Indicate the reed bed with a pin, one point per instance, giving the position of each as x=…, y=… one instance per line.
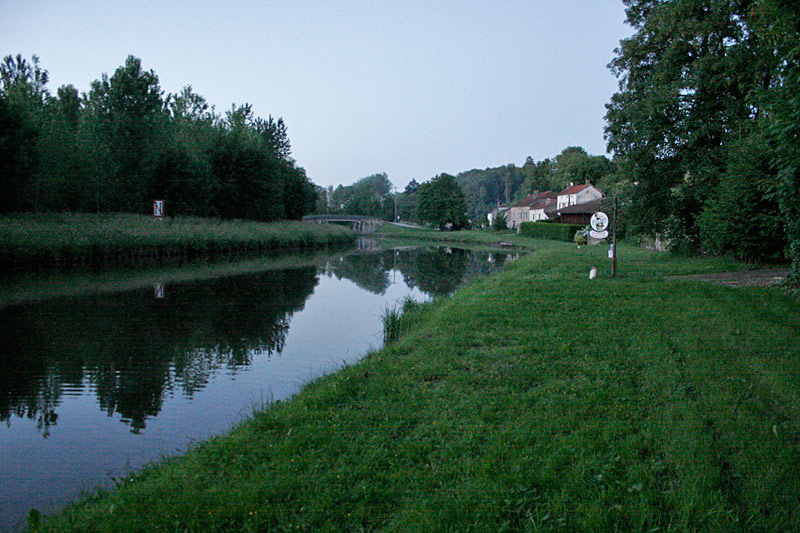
x=69, y=238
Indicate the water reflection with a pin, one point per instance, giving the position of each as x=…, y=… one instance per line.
x=133, y=350
x=436, y=271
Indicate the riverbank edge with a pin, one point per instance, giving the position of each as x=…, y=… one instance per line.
x=470, y=419
x=76, y=282
x=78, y=239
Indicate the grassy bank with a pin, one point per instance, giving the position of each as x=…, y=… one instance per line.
x=535, y=399
x=80, y=238
x=389, y=232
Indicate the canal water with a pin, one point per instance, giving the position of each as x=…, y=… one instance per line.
x=145, y=365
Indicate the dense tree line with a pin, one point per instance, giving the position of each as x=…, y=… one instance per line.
x=485, y=189
x=439, y=202
x=124, y=143
x=706, y=121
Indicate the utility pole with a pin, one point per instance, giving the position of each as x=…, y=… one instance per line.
x=395, y=204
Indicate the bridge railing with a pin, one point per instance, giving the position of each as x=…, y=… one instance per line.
x=361, y=224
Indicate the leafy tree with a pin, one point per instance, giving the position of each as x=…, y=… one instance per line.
x=323, y=201
x=441, y=202
x=128, y=109
x=299, y=193
x=780, y=23
x=569, y=166
x=22, y=98
x=706, y=122
x=539, y=176
x=273, y=132
x=485, y=189
x=741, y=218
x=407, y=202
x=16, y=159
x=685, y=77
x=184, y=176
x=369, y=196
x=249, y=187
x=60, y=158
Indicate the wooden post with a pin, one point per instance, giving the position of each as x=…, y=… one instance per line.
x=614, y=243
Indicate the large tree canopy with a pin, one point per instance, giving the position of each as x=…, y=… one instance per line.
x=702, y=83
x=441, y=202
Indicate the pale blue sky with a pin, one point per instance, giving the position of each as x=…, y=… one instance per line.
x=409, y=88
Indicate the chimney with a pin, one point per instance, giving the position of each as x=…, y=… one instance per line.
x=587, y=182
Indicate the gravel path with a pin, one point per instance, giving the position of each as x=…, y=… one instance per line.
x=745, y=278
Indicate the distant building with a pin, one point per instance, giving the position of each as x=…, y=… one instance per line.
x=529, y=208
x=543, y=209
x=579, y=213
x=578, y=194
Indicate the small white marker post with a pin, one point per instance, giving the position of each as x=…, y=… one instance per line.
x=158, y=209
x=158, y=289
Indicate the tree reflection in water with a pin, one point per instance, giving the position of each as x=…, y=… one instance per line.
x=436, y=271
x=133, y=350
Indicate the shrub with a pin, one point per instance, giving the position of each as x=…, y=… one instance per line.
x=499, y=223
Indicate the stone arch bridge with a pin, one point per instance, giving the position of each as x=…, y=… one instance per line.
x=361, y=224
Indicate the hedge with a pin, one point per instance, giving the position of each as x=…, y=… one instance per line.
x=543, y=230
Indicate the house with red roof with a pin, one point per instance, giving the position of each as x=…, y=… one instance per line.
x=577, y=194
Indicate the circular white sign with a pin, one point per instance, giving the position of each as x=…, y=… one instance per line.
x=599, y=221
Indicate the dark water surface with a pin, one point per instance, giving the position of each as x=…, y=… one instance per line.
x=93, y=386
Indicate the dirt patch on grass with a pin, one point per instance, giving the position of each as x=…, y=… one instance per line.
x=745, y=278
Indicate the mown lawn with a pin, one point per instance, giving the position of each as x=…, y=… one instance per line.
x=535, y=399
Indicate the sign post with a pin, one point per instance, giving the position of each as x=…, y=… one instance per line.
x=158, y=208
x=614, y=243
